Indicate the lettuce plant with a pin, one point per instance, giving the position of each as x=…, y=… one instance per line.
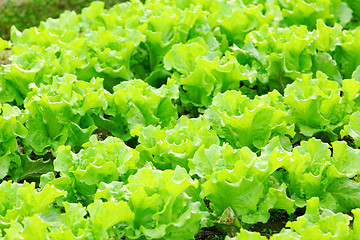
x=168, y=148
x=241, y=121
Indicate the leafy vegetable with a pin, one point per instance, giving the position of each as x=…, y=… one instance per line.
x=128, y=106
x=315, y=105
x=244, y=122
x=248, y=189
x=167, y=148
x=170, y=119
x=81, y=173
x=10, y=128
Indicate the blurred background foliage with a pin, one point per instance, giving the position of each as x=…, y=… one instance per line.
x=29, y=13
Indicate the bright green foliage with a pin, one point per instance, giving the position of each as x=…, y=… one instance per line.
x=210, y=114
x=165, y=204
x=306, y=169
x=216, y=158
x=168, y=26
x=65, y=50
x=72, y=224
x=345, y=55
x=244, y=122
x=246, y=235
x=345, y=160
x=315, y=224
x=4, y=44
x=121, y=42
x=81, y=173
x=70, y=111
x=167, y=148
x=353, y=128
x=248, y=188
x=280, y=55
x=204, y=73
x=10, y=128
x=307, y=12
x=237, y=20
x=285, y=234
x=60, y=113
x=23, y=200
x=328, y=38
x=286, y=54
x=350, y=89
x=129, y=106
x=26, y=14
x=315, y=105
x=103, y=216
x=311, y=171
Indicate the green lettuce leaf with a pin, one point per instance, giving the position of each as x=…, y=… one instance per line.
x=346, y=193
x=238, y=20
x=11, y=127
x=356, y=223
x=59, y=114
x=204, y=73
x=345, y=160
x=102, y=222
x=248, y=189
x=32, y=229
x=353, y=128
x=98, y=161
x=168, y=148
x=244, y=122
x=279, y=62
x=23, y=200
x=129, y=106
x=350, y=89
x=216, y=158
x=345, y=55
x=306, y=170
x=302, y=12
x=316, y=106
x=4, y=44
x=321, y=224
x=165, y=203
x=244, y=234
x=105, y=215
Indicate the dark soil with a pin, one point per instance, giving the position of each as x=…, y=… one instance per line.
x=207, y=204
x=102, y=134
x=277, y=222
x=210, y=233
x=269, y=228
